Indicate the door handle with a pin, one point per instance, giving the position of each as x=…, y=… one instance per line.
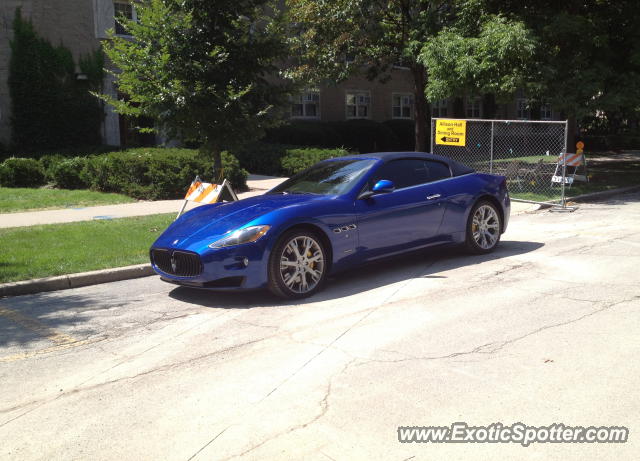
x=432, y=197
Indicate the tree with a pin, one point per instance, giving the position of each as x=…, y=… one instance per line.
x=588, y=60
x=204, y=71
x=379, y=34
x=490, y=55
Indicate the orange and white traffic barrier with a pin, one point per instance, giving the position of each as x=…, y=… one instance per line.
x=571, y=159
x=204, y=192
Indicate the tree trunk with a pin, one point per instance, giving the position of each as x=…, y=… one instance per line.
x=212, y=151
x=421, y=107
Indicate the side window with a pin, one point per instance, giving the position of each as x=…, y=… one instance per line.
x=403, y=173
x=438, y=170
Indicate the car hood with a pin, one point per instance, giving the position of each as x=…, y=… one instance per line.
x=212, y=221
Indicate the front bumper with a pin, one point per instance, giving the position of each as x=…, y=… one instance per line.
x=220, y=268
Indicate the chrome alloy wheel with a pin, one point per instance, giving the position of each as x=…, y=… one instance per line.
x=486, y=227
x=302, y=264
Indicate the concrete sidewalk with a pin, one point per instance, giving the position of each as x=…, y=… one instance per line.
x=257, y=185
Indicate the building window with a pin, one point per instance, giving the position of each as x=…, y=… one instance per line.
x=402, y=105
x=522, y=109
x=306, y=105
x=439, y=108
x=126, y=10
x=358, y=104
x=474, y=107
x=545, y=111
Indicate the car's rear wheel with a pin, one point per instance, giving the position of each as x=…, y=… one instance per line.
x=298, y=265
x=483, y=228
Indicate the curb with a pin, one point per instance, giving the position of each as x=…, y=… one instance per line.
x=602, y=194
x=63, y=282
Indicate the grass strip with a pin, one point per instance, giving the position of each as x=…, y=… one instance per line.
x=23, y=199
x=57, y=249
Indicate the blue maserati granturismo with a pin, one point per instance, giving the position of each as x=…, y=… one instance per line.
x=338, y=214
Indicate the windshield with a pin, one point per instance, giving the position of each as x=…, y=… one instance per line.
x=326, y=178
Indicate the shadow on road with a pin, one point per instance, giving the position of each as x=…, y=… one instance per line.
x=420, y=264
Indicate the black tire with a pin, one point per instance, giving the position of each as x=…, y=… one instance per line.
x=285, y=287
x=484, y=227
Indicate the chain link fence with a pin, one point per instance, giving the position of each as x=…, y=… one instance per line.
x=527, y=153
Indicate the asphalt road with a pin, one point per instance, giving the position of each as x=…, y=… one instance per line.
x=546, y=329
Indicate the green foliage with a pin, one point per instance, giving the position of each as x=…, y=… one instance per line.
x=155, y=173
x=49, y=163
x=588, y=60
x=281, y=159
x=365, y=135
x=297, y=160
x=50, y=108
x=200, y=69
x=492, y=57
x=305, y=133
x=404, y=131
x=357, y=135
x=21, y=172
x=68, y=173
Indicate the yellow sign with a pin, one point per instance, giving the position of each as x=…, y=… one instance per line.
x=580, y=145
x=451, y=132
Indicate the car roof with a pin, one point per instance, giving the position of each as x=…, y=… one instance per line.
x=456, y=168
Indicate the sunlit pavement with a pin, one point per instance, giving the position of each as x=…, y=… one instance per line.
x=546, y=329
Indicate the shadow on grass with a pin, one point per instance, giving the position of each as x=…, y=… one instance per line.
x=420, y=264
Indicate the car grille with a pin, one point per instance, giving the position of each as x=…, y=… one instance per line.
x=184, y=264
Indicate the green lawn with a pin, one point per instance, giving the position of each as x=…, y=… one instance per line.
x=604, y=175
x=22, y=199
x=56, y=249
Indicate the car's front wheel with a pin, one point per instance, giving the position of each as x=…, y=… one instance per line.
x=298, y=265
x=483, y=228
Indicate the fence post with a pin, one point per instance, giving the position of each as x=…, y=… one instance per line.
x=432, y=120
x=491, y=154
x=564, y=163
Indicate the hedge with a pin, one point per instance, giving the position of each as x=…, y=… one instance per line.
x=147, y=173
x=282, y=159
x=21, y=172
x=355, y=135
x=155, y=173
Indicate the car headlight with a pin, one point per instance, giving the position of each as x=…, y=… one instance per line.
x=245, y=235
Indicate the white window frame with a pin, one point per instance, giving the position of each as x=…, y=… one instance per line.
x=310, y=96
x=473, y=107
x=522, y=110
x=362, y=99
x=440, y=108
x=134, y=15
x=403, y=103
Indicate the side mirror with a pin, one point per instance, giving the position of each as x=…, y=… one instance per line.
x=384, y=186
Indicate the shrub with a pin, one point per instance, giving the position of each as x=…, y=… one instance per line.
x=365, y=136
x=263, y=158
x=283, y=159
x=405, y=133
x=305, y=133
x=233, y=172
x=296, y=160
x=69, y=173
x=49, y=162
x=156, y=173
x=21, y=172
